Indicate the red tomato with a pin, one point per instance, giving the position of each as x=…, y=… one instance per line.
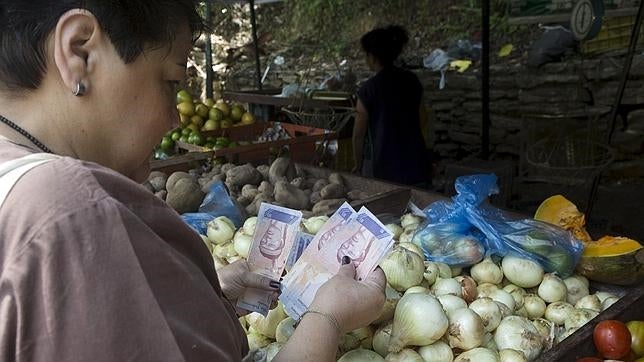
x=612, y=339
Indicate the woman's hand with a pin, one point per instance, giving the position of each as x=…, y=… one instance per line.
x=353, y=303
x=236, y=277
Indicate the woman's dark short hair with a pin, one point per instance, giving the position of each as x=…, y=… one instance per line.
x=131, y=25
x=385, y=44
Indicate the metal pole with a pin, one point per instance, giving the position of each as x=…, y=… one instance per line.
x=618, y=101
x=485, y=80
x=253, y=22
x=209, y=73
x=625, y=72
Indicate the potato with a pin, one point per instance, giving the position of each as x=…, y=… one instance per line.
x=277, y=171
x=309, y=182
x=220, y=177
x=185, y=195
x=290, y=196
x=161, y=194
x=174, y=178
x=158, y=180
x=326, y=207
x=357, y=195
x=206, y=188
x=319, y=184
x=307, y=214
x=315, y=197
x=243, y=175
x=253, y=208
x=298, y=182
x=336, y=178
x=266, y=188
x=249, y=191
x=263, y=169
x=226, y=167
x=332, y=191
x=244, y=200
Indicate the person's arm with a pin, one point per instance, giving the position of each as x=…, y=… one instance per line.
x=359, y=133
x=341, y=305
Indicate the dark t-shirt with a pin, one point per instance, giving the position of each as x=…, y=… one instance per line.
x=395, y=144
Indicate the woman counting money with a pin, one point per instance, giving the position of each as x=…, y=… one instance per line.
x=92, y=266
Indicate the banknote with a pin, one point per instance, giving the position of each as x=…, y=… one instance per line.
x=301, y=242
x=275, y=233
x=364, y=239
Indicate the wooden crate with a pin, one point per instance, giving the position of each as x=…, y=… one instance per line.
x=580, y=344
x=302, y=143
x=182, y=162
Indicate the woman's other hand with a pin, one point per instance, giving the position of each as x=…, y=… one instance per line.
x=353, y=303
x=236, y=277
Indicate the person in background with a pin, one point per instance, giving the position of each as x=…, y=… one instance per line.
x=387, y=139
x=93, y=267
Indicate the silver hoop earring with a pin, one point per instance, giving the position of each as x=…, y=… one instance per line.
x=79, y=90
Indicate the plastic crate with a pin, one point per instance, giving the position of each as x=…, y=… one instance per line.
x=504, y=171
x=615, y=34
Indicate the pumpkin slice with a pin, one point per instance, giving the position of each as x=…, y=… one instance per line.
x=558, y=210
x=613, y=260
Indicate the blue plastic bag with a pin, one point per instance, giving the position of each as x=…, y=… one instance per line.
x=216, y=203
x=553, y=247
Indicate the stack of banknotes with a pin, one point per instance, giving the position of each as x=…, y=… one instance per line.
x=311, y=260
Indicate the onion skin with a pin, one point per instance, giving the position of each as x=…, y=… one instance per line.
x=520, y=334
x=535, y=306
x=466, y=329
x=468, y=288
x=487, y=272
x=478, y=355
x=419, y=320
x=360, y=355
x=489, y=312
x=437, y=352
x=552, y=289
x=406, y=355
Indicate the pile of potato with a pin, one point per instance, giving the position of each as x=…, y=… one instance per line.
x=281, y=183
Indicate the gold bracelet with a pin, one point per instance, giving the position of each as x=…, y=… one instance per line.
x=328, y=317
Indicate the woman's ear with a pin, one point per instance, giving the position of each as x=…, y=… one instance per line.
x=76, y=37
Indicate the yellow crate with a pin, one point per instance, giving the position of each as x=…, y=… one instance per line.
x=615, y=34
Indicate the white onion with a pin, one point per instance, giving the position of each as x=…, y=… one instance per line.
x=408, y=233
x=359, y=355
x=267, y=325
x=395, y=229
x=315, y=223
x=406, y=355
x=272, y=350
x=403, y=268
x=451, y=303
x=489, y=312
x=557, y=312
x=576, y=289
x=552, y=289
x=487, y=272
x=224, y=251
x=364, y=336
x=241, y=243
x=488, y=342
x=504, y=297
x=465, y=330
x=391, y=300
x=478, y=355
x=249, y=225
x=456, y=270
x=413, y=247
x=521, y=312
x=589, y=302
x=582, y=279
x=565, y=335
x=468, y=288
x=447, y=286
x=608, y=302
x=534, y=306
x=419, y=320
x=285, y=330
x=579, y=317
x=438, y=351
x=410, y=219
x=520, y=334
x=485, y=290
x=233, y=259
x=381, y=340
x=444, y=271
x=417, y=289
x=603, y=295
x=522, y=272
x=517, y=293
x=431, y=272
x=505, y=311
x=511, y=355
x=547, y=331
x=257, y=341
x=220, y=230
